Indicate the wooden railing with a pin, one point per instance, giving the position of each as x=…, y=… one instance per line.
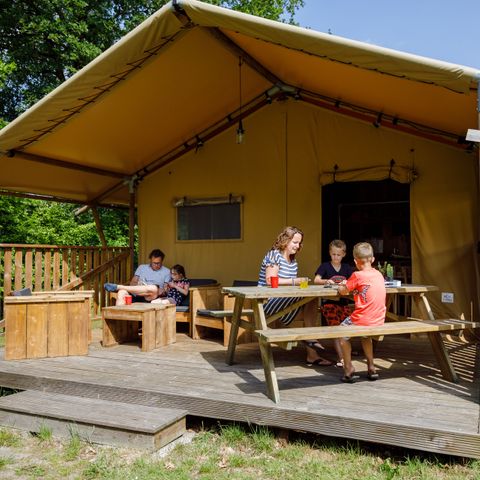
x=52, y=267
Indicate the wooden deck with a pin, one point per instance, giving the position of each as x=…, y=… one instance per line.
x=410, y=406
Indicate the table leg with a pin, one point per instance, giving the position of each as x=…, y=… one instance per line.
x=232, y=340
x=436, y=341
x=266, y=352
x=148, y=330
x=269, y=369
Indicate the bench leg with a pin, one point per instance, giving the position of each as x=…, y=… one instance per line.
x=269, y=369
x=232, y=341
x=436, y=341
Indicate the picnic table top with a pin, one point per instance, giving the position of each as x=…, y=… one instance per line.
x=314, y=291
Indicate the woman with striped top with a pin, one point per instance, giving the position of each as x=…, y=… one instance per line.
x=280, y=262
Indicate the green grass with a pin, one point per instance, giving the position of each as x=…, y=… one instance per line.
x=8, y=438
x=232, y=452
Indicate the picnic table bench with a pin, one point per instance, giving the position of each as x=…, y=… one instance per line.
x=289, y=338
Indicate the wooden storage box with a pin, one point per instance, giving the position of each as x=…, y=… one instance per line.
x=47, y=325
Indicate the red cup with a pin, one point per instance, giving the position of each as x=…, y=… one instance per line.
x=274, y=282
x=128, y=299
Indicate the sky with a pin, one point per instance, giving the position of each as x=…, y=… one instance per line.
x=446, y=30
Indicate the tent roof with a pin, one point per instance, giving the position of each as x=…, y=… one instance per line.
x=175, y=79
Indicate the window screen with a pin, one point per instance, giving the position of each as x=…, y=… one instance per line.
x=209, y=222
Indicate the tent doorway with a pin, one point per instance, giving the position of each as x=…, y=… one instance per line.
x=377, y=212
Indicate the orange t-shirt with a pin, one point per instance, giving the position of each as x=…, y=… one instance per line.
x=369, y=293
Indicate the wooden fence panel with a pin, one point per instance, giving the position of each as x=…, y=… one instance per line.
x=7, y=271
x=47, y=275
x=38, y=270
x=28, y=268
x=18, y=280
x=51, y=267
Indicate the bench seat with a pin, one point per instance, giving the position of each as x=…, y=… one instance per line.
x=411, y=326
x=289, y=337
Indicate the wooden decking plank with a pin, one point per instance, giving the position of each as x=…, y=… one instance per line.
x=339, y=391
x=410, y=397
x=95, y=411
x=95, y=420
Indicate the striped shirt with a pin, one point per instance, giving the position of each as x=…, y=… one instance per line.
x=286, y=269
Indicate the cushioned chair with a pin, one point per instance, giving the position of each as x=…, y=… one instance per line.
x=203, y=294
x=203, y=319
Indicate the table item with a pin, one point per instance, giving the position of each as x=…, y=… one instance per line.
x=304, y=282
x=128, y=299
x=274, y=282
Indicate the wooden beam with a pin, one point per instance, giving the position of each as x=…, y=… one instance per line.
x=131, y=224
x=63, y=164
x=240, y=52
x=53, y=198
x=98, y=224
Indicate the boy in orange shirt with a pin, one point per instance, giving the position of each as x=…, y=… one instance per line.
x=368, y=287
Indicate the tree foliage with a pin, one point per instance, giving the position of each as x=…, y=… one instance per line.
x=43, y=42
x=51, y=223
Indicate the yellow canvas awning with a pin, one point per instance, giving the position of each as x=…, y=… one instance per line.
x=174, y=81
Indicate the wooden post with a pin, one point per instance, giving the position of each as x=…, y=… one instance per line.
x=131, y=220
x=98, y=224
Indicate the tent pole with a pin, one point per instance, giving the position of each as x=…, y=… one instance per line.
x=131, y=220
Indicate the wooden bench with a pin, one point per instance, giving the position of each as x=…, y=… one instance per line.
x=289, y=338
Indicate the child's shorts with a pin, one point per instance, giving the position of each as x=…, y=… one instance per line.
x=334, y=314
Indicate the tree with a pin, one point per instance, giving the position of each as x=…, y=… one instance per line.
x=40, y=222
x=43, y=42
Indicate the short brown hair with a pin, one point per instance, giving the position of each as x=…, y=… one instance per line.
x=284, y=238
x=337, y=243
x=363, y=251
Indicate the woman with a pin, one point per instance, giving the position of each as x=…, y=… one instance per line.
x=280, y=262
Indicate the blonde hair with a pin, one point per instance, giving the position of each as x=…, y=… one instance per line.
x=337, y=243
x=363, y=251
x=284, y=238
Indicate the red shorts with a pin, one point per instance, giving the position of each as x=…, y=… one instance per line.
x=335, y=314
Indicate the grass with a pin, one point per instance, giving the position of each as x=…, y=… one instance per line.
x=225, y=452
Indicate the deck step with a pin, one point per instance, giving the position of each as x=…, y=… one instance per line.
x=94, y=420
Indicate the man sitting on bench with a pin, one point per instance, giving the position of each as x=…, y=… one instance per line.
x=368, y=287
x=148, y=282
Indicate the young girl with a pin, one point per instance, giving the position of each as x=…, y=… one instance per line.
x=177, y=288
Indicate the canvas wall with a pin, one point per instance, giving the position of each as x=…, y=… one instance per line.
x=289, y=147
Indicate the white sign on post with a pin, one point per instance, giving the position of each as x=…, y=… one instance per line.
x=473, y=135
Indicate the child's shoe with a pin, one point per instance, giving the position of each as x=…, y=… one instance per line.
x=110, y=287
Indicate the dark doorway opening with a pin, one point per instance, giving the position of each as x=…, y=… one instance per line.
x=376, y=212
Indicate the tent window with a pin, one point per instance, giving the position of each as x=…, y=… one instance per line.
x=209, y=222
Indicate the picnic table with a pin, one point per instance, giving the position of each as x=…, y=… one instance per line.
x=288, y=338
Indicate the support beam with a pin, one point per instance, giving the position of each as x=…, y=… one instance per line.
x=131, y=221
x=247, y=58
x=98, y=224
x=53, y=198
x=63, y=164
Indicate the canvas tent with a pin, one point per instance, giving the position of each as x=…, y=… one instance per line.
x=158, y=111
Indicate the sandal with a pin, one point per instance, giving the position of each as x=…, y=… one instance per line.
x=315, y=344
x=372, y=376
x=321, y=362
x=349, y=378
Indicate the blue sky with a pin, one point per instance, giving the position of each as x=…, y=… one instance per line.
x=443, y=29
